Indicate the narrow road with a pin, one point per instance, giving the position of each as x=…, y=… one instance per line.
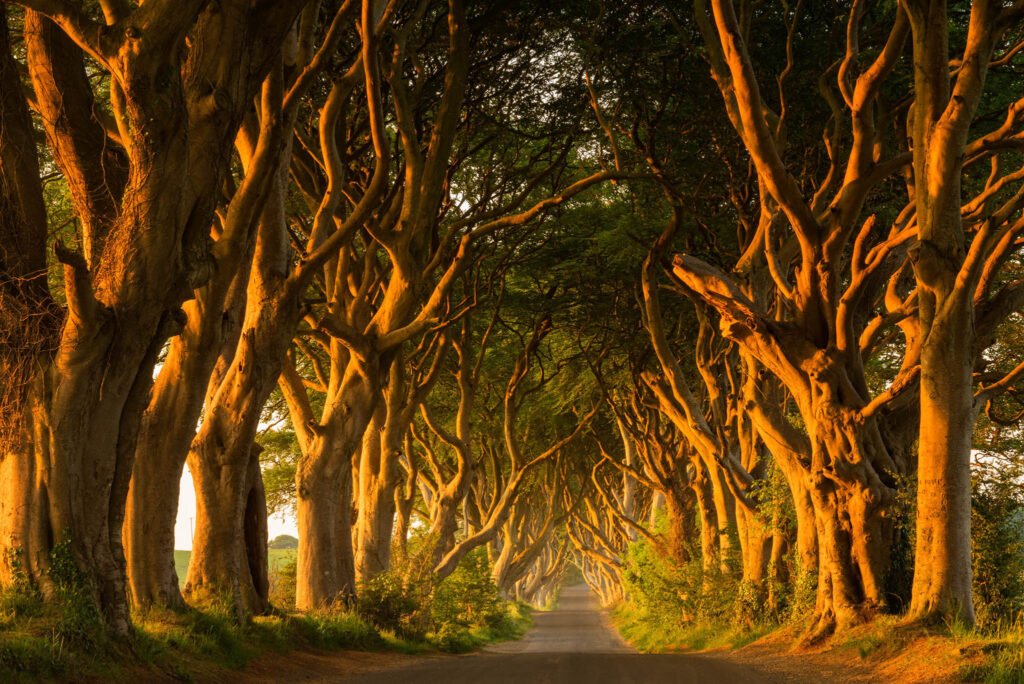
x=571, y=644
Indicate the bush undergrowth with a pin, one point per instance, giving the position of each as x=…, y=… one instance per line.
x=53, y=639
x=676, y=606
x=457, y=615
x=673, y=605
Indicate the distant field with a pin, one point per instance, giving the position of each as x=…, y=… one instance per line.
x=277, y=557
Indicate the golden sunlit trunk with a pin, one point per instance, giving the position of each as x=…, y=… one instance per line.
x=325, y=565
x=942, y=559
x=855, y=530
x=948, y=268
x=150, y=517
x=378, y=478
x=228, y=562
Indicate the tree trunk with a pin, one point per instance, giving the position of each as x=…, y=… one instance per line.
x=25, y=533
x=679, y=521
x=708, y=521
x=500, y=566
x=254, y=528
x=378, y=477
x=403, y=521
x=224, y=569
x=942, y=560
x=853, y=521
x=143, y=249
x=806, y=526
x=444, y=526
x=149, y=535
x=947, y=270
x=755, y=546
x=243, y=380
x=210, y=333
x=166, y=433
x=325, y=564
x=24, y=507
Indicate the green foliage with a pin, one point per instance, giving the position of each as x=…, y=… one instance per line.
x=997, y=523
x=656, y=587
x=459, y=614
x=802, y=596
x=793, y=597
x=772, y=496
x=679, y=594
x=573, y=575
x=388, y=602
x=674, y=605
x=80, y=621
x=283, y=541
x=277, y=460
x=282, y=584
x=469, y=597
x=1003, y=664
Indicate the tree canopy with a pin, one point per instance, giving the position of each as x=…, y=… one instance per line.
x=716, y=303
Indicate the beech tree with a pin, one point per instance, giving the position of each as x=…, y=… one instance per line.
x=960, y=250
x=142, y=171
x=716, y=295
x=384, y=267
x=222, y=455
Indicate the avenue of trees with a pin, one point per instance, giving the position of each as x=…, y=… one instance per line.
x=703, y=298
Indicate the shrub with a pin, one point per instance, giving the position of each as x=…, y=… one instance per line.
x=389, y=603
x=997, y=521
x=80, y=620
x=337, y=630
x=282, y=585
x=458, y=614
x=469, y=597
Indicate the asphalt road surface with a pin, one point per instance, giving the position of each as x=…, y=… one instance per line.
x=573, y=644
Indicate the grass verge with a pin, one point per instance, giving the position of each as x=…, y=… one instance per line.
x=40, y=642
x=650, y=636
x=887, y=649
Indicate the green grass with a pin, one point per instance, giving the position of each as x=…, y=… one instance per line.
x=516, y=623
x=184, y=644
x=275, y=557
x=40, y=641
x=1002, y=661
x=1007, y=667
x=988, y=657
x=652, y=636
x=64, y=637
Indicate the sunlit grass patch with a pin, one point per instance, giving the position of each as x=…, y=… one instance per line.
x=651, y=634
x=998, y=655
